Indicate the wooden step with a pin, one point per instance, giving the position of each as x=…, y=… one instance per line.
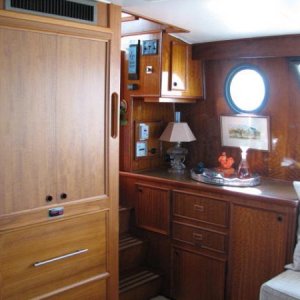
x=124, y=219
x=132, y=253
x=141, y=285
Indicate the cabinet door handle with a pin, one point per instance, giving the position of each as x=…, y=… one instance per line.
x=199, y=207
x=197, y=236
x=51, y=260
x=63, y=196
x=114, y=115
x=49, y=198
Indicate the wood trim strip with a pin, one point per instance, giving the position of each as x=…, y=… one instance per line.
x=102, y=276
x=277, y=46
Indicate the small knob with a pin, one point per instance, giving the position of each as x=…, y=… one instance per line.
x=175, y=83
x=279, y=218
x=153, y=150
x=49, y=198
x=63, y=196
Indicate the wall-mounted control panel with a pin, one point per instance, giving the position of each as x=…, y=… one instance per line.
x=150, y=47
x=143, y=131
x=141, y=149
x=147, y=142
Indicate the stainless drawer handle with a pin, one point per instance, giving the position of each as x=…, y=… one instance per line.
x=199, y=207
x=45, y=262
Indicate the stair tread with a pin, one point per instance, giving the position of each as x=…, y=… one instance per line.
x=123, y=208
x=127, y=241
x=137, y=279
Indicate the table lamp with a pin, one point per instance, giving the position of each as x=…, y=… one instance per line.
x=177, y=132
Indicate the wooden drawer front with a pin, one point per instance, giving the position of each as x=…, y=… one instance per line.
x=21, y=249
x=95, y=290
x=199, y=237
x=198, y=208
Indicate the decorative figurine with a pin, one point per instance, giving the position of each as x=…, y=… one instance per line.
x=226, y=164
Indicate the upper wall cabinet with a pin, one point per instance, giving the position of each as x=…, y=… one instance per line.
x=159, y=68
x=181, y=77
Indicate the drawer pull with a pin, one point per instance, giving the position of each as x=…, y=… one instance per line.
x=197, y=236
x=45, y=262
x=199, y=207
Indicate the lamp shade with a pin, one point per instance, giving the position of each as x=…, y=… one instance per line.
x=177, y=132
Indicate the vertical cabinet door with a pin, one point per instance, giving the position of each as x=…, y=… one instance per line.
x=179, y=60
x=258, y=242
x=181, y=76
x=27, y=130
x=153, y=208
x=81, y=119
x=197, y=277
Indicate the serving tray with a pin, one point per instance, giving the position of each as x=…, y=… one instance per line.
x=214, y=177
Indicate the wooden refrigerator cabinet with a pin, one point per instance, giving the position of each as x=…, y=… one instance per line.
x=59, y=157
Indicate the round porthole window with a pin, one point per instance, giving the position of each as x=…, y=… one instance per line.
x=246, y=89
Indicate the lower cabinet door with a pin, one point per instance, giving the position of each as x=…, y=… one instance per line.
x=258, y=243
x=49, y=258
x=197, y=277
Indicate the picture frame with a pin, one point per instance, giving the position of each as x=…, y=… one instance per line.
x=245, y=131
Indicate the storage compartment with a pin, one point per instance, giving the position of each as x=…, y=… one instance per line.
x=192, y=206
x=40, y=259
x=196, y=276
x=199, y=237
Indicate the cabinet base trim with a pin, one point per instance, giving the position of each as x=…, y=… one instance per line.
x=101, y=276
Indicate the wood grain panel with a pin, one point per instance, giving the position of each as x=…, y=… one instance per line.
x=153, y=208
x=282, y=108
x=179, y=60
x=199, y=237
x=193, y=69
x=274, y=46
x=139, y=111
x=257, y=250
x=80, y=109
x=94, y=290
x=27, y=93
x=192, y=206
x=197, y=277
x=112, y=148
x=293, y=143
x=22, y=248
x=148, y=84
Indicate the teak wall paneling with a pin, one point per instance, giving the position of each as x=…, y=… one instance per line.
x=148, y=84
x=269, y=256
x=282, y=107
x=140, y=111
x=277, y=46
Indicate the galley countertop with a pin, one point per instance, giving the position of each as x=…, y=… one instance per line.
x=268, y=189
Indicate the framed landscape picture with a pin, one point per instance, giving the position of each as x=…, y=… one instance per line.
x=245, y=131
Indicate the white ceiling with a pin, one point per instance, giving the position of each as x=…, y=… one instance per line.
x=214, y=20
